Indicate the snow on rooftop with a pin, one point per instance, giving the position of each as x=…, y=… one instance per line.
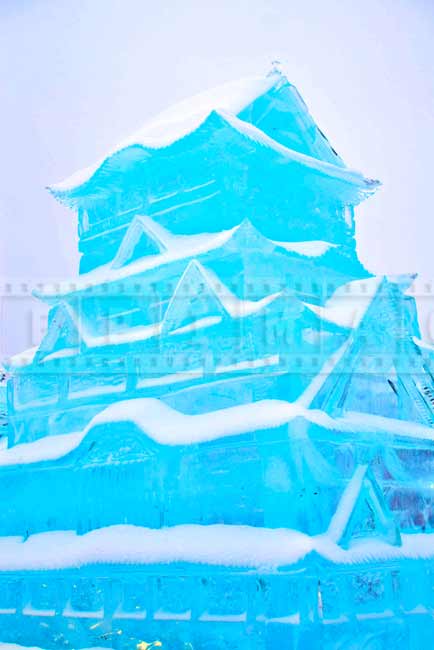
x=235, y=307
x=378, y=424
x=223, y=103
x=24, y=358
x=344, y=174
x=312, y=390
x=48, y=448
x=313, y=248
x=15, y=646
x=241, y=546
x=183, y=118
x=347, y=306
x=423, y=345
x=415, y=546
x=178, y=244
x=177, y=247
x=218, y=545
x=166, y=426
x=346, y=504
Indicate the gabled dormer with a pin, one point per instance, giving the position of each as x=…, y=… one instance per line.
x=247, y=238
x=249, y=147
x=381, y=371
x=362, y=513
x=140, y=240
x=63, y=333
x=194, y=298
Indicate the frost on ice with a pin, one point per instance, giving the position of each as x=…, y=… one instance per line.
x=225, y=437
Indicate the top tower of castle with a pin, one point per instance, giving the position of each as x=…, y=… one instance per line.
x=247, y=149
x=208, y=239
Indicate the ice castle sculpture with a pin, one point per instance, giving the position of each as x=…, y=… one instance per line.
x=3, y=406
x=225, y=437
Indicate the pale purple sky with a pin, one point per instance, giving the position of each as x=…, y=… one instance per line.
x=79, y=76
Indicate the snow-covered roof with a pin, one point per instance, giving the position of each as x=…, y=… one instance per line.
x=234, y=306
x=166, y=426
x=346, y=504
x=354, y=186
x=175, y=248
x=182, y=118
x=313, y=248
x=347, y=306
x=229, y=305
x=24, y=358
x=424, y=345
x=16, y=646
x=345, y=174
x=221, y=106
x=218, y=544
x=45, y=449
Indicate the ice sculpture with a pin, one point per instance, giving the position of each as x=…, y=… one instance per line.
x=3, y=407
x=225, y=437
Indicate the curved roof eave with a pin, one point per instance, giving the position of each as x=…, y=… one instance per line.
x=185, y=116
x=91, y=283
x=158, y=426
x=81, y=184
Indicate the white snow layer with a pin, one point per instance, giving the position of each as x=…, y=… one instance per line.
x=167, y=426
x=233, y=306
x=183, y=118
x=331, y=170
x=24, y=358
x=218, y=544
x=48, y=448
x=347, y=306
x=175, y=124
x=177, y=247
x=346, y=504
x=15, y=646
x=424, y=345
x=313, y=248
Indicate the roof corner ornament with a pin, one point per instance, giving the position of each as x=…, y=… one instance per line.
x=276, y=68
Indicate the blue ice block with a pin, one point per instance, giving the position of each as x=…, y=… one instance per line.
x=225, y=438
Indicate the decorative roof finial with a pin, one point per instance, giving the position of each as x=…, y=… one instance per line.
x=276, y=68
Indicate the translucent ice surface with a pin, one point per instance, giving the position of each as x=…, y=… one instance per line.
x=225, y=438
